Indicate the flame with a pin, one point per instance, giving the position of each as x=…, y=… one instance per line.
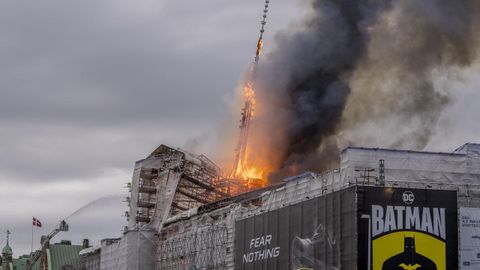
x=254, y=175
x=259, y=48
x=250, y=95
x=247, y=171
x=247, y=164
x=249, y=92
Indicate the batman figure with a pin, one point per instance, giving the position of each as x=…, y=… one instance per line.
x=409, y=259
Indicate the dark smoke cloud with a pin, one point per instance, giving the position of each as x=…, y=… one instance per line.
x=358, y=72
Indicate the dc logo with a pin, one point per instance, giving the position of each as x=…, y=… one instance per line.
x=408, y=197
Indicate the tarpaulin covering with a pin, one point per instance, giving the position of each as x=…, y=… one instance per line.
x=315, y=234
x=135, y=250
x=459, y=167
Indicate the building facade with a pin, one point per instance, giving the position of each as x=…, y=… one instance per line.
x=378, y=199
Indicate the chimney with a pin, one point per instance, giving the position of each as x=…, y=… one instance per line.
x=86, y=243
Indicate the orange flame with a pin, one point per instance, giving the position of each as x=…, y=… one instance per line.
x=250, y=95
x=259, y=47
x=254, y=175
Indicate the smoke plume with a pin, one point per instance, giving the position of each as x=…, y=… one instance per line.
x=358, y=72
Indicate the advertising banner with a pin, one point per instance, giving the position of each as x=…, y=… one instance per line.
x=469, y=238
x=407, y=229
x=315, y=234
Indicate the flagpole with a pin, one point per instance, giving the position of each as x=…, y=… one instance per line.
x=31, y=247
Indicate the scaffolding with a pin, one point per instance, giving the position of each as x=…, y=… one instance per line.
x=203, y=248
x=171, y=181
x=193, y=220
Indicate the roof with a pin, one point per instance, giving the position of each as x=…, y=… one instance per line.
x=254, y=194
x=399, y=151
x=90, y=250
x=62, y=255
x=468, y=147
x=464, y=149
x=7, y=250
x=21, y=262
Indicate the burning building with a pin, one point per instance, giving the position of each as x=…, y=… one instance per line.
x=340, y=219
x=351, y=71
x=166, y=183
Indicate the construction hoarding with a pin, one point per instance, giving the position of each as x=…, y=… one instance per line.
x=318, y=233
x=375, y=228
x=407, y=229
x=469, y=238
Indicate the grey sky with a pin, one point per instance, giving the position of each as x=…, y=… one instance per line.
x=89, y=87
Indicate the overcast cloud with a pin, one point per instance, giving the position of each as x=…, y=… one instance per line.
x=89, y=87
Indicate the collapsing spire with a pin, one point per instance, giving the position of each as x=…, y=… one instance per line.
x=262, y=30
x=239, y=169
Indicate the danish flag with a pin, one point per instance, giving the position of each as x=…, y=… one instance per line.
x=36, y=222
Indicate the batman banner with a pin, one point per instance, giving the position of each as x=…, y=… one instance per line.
x=407, y=229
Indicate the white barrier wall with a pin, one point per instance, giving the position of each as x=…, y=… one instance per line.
x=469, y=227
x=135, y=250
